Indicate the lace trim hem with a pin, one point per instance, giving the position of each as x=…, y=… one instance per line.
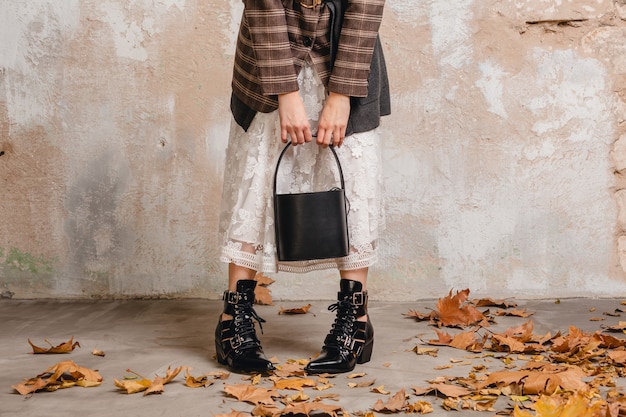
x=260, y=263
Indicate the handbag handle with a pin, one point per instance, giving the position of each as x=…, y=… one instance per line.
x=280, y=158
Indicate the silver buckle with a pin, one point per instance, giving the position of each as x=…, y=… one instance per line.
x=231, y=297
x=235, y=342
x=358, y=298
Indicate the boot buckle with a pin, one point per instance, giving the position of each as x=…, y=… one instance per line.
x=358, y=298
x=232, y=297
x=236, y=341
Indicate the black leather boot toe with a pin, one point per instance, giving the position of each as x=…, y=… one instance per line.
x=349, y=341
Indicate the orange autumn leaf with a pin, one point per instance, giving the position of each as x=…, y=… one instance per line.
x=65, y=347
x=201, y=381
x=294, y=368
x=447, y=390
x=133, y=386
x=98, y=352
x=294, y=383
x=297, y=310
x=307, y=408
x=455, y=311
x=502, y=343
x=395, y=404
x=420, y=407
x=489, y=302
x=262, y=294
x=251, y=394
x=142, y=384
x=576, y=406
x=61, y=375
x=513, y=313
x=234, y=413
x=541, y=379
x=420, y=316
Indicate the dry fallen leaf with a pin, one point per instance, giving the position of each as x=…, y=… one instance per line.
x=262, y=294
x=234, y=413
x=454, y=311
x=307, y=408
x=62, y=375
x=142, y=384
x=395, y=404
x=297, y=310
x=65, y=347
x=251, y=394
x=294, y=383
x=197, y=381
x=97, y=352
x=576, y=406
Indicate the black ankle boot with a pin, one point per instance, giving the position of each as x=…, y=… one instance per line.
x=236, y=343
x=349, y=341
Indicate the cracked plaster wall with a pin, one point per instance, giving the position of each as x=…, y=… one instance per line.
x=504, y=158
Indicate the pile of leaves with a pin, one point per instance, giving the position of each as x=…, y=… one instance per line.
x=571, y=371
x=514, y=372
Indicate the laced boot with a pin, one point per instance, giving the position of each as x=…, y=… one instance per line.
x=350, y=341
x=236, y=342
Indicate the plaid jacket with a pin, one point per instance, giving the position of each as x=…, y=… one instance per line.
x=276, y=36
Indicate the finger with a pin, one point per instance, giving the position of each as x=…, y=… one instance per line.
x=283, y=134
x=308, y=136
x=337, y=139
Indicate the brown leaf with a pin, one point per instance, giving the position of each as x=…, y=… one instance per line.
x=234, y=413
x=294, y=368
x=395, y=404
x=133, y=386
x=156, y=386
x=447, y=390
x=363, y=384
x=61, y=375
x=420, y=407
x=201, y=381
x=262, y=294
x=307, y=408
x=420, y=316
x=513, y=313
x=296, y=310
x=65, y=347
x=453, y=310
x=251, y=394
x=502, y=343
x=489, y=302
x=294, y=383
x=97, y=352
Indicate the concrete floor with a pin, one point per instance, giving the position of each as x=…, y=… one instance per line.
x=148, y=336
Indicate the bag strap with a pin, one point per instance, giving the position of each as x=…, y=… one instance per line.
x=280, y=158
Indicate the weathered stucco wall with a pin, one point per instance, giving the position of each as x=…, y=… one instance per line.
x=504, y=158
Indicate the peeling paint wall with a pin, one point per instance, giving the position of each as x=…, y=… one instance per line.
x=505, y=157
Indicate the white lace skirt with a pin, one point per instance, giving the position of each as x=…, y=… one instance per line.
x=247, y=216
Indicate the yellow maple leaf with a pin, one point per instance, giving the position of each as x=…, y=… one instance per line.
x=556, y=406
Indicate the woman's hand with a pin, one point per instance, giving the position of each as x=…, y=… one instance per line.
x=294, y=122
x=334, y=120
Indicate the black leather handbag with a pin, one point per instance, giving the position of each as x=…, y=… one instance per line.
x=311, y=225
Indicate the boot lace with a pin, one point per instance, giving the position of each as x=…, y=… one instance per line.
x=244, y=319
x=340, y=335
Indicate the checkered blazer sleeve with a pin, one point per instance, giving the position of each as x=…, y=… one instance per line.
x=356, y=45
x=270, y=46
